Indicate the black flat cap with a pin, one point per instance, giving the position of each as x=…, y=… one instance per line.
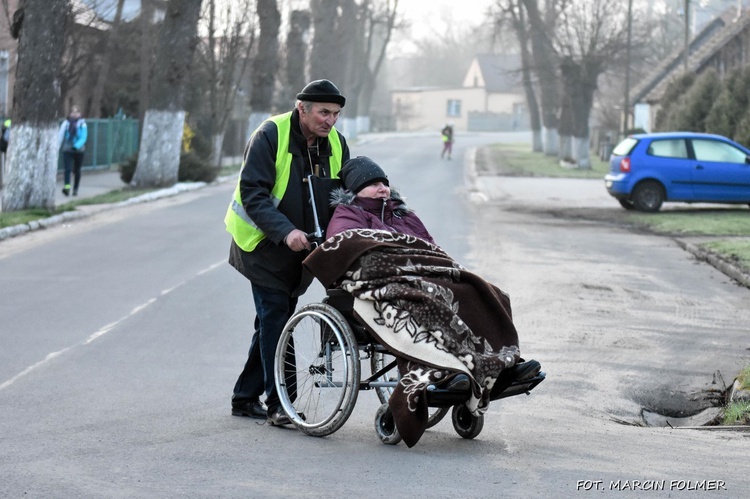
x=321, y=91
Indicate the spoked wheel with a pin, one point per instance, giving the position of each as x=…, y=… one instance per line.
x=385, y=426
x=317, y=369
x=379, y=360
x=465, y=423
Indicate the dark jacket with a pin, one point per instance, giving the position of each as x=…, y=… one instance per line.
x=391, y=214
x=272, y=264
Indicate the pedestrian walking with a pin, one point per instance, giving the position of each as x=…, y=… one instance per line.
x=73, y=135
x=447, y=136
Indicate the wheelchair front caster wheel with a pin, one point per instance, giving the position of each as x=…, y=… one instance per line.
x=385, y=426
x=465, y=423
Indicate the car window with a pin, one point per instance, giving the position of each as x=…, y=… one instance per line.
x=712, y=150
x=624, y=147
x=668, y=148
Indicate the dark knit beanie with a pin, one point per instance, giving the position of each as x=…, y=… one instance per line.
x=321, y=91
x=359, y=172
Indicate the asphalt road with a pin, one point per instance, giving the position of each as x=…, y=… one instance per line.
x=123, y=334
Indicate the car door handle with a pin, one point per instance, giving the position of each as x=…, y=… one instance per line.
x=698, y=167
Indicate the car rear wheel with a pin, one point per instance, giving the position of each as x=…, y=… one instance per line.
x=648, y=196
x=627, y=204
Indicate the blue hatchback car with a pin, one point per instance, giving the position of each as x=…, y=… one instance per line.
x=645, y=170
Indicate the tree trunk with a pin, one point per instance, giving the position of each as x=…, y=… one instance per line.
x=161, y=140
x=296, y=53
x=520, y=26
x=579, y=79
x=354, y=61
x=545, y=60
x=146, y=59
x=217, y=142
x=324, y=55
x=95, y=110
x=266, y=62
x=388, y=18
x=33, y=151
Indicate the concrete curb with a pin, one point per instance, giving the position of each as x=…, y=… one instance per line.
x=725, y=267
x=68, y=216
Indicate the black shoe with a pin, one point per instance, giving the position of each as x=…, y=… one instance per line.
x=526, y=370
x=75, y=192
x=459, y=383
x=66, y=191
x=278, y=417
x=251, y=409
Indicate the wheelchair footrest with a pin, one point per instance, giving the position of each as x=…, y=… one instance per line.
x=518, y=387
x=438, y=397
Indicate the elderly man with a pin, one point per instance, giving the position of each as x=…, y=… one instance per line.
x=269, y=217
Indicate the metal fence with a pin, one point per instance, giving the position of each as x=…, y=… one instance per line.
x=110, y=142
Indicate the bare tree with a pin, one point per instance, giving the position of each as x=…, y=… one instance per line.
x=225, y=58
x=327, y=54
x=33, y=152
x=592, y=36
x=161, y=140
x=266, y=62
x=380, y=21
x=546, y=64
x=512, y=13
x=296, y=54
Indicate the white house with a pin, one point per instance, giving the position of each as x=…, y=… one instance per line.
x=491, y=98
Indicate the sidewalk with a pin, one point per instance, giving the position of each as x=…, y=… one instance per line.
x=93, y=183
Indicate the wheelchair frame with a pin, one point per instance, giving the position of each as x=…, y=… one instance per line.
x=318, y=368
x=318, y=374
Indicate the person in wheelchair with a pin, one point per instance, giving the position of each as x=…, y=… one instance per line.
x=368, y=202
x=447, y=327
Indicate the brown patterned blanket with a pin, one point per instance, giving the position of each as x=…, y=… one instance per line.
x=437, y=318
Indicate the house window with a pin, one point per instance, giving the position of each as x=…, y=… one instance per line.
x=454, y=108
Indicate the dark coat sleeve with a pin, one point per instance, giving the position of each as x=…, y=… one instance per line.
x=257, y=180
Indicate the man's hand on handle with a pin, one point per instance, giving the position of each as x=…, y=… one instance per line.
x=297, y=240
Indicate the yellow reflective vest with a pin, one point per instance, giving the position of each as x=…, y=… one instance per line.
x=245, y=232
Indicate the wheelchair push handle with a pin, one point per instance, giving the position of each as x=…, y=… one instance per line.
x=315, y=238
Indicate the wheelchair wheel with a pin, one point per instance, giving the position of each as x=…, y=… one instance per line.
x=378, y=360
x=385, y=426
x=317, y=369
x=465, y=423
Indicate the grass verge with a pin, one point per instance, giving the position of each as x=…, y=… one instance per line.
x=720, y=222
x=738, y=411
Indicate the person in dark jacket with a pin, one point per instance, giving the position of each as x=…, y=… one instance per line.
x=269, y=217
x=368, y=202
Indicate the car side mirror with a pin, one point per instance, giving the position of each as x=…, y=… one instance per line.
x=747, y=160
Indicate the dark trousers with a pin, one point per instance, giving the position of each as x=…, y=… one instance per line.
x=72, y=161
x=272, y=308
x=447, y=148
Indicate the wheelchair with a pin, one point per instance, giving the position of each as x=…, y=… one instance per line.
x=318, y=364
